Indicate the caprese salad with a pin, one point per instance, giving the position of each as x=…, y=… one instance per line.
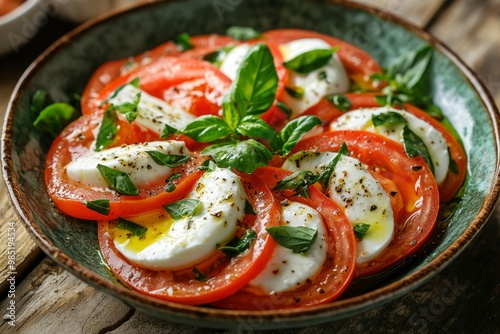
x=253, y=170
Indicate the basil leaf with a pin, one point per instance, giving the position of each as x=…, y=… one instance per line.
x=297, y=238
x=168, y=130
x=310, y=61
x=107, y=130
x=39, y=101
x=128, y=109
x=208, y=165
x=136, y=229
x=296, y=92
x=100, y=206
x=207, y=128
x=238, y=245
x=453, y=166
x=183, y=208
x=183, y=42
x=230, y=113
x=243, y=33
x=324, y=177
x=389, y=117
x=217, y=56
x=254, y=89
x=414, y=147
x=170, y=186
x=253, y=126
x=392, y=100
x=322, y=75
x=118, y=180
x=199, y=276
x=171, y=161
x=360, y=230
x=289, y=136
x=248, y=208
x=283, y=107
x=243, y=156
x=134, y=82
x=55, y=117
x=341, y=102
x=298, y=181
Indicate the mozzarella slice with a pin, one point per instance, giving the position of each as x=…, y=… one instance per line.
x=352, y=187
x=152, y=112
x=336, y=80
x=130, y=159
x=361, y=119
x=287, y=270
x=232, y=60
x=176, y=244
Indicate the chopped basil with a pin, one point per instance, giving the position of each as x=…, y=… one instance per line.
x=128, y=109
x=55, y=117
x=310, y=61
x=289, y=136
x=324, y=177
x=170, y=186
x=415, y=146
x=239, y=244
x=453, y=166
x=208, y=165
x=183, y=42
x=389, y=117
x=168, y=130
x=360, y=230
x=100, y=206
x=134, y=82
x=183, y=208
x=248, y=208
x=298, y=181
x=243, y=33
x=107, y=130
x=118, y=180
x=391, y=100
x=296, y=92
x=39, y=101
x=297, y=238
x=322, y=75
x=341, y=102
x=171, y=161
x=199, y=276
x=283, y=107
x=136, y=229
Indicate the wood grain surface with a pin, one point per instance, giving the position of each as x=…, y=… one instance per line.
x=463, y=298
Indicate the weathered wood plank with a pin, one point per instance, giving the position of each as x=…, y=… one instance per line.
x=419, y=12
x=477, y=40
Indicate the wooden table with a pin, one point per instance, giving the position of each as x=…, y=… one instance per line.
x=50, y=300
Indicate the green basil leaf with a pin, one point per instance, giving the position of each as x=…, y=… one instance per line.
x=254, y=89
x=296, y=92
x=217, y=56
x=322, y=75
x=55, y=117
x=238, y=245
x=415, y=146
x=360, y=230
x=184, y=208
x=118, y=180
x=324, y=177
x=100, y=206
x=183, y=42
x=199, y=276
x=391, y=100
x=39, y=101
x=298, y=181
x=243, y=33
x=341, y=102
x=134, y=82
x=168, y=130
x=389, y=117
x=170, y=186
x=248, y=208
x=243, y=156
x=253, y=126
x=453, y=166
x=230, y=113
x=136, y=229
x=207, y=128
x=208, y=165
x=289, y=136
x=171, y=161
x=310, y=61
x=297, y=238
x=283, y=107
x=107, y=130
x=129, y=109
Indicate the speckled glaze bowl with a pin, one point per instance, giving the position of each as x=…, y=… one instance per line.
x=67, y=65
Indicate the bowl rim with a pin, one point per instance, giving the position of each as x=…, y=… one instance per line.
x=320, y=313
x=18, y=12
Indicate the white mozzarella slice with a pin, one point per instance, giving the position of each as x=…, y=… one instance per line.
x=361, y=119
x=336, y=80
x=287, y=270
x=176, y=244
x=130, y=159
x=352, y=187
x=232, y=60
x=152, y=112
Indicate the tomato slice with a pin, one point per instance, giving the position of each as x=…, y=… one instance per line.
x=71, y=197
x=226, y=276
x=337, y=271
x=327, y=112
x=412, y=179
x=359, y=64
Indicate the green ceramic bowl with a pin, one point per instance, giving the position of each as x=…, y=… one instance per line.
x=67, y=65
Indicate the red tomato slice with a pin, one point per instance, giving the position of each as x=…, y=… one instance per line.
x=327, y=112
x=111, y=70
x=70, y=197
x=226, y=276
x=359, y=64
x=412, y=179
x=337, y=271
